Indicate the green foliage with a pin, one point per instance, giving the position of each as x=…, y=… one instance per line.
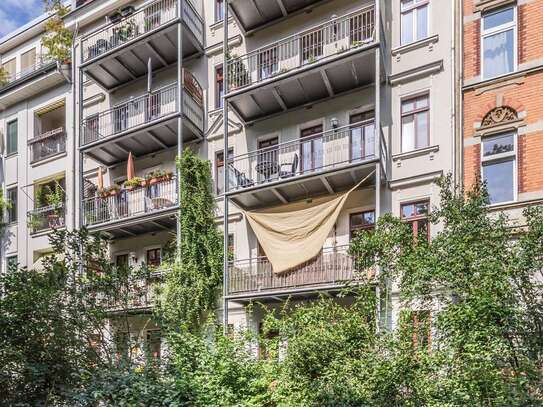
x=58, y=40
x=192, y=286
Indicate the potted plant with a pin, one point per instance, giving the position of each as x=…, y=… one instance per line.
x=127, y=31
x=110, y=191
x=154, y=177
x=133, y=183
x=55, y=199
x=33, y=222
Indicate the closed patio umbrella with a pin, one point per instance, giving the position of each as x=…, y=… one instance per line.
x=100, y=180
x=130, y=173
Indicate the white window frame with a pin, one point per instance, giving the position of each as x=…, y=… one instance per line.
x=503, y=157
x=497, y=30
x=406, y=98
x=414, y=8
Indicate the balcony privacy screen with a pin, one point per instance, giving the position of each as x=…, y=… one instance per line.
x=293, y=234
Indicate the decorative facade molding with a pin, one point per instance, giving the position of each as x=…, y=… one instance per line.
x=498, y=116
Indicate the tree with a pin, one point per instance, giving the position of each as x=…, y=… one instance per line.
x=58, y=39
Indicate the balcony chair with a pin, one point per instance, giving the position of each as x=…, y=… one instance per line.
x=241, y=178
x=290, y=167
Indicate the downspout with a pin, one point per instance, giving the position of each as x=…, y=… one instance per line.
x=456, y=94
x=75, y=120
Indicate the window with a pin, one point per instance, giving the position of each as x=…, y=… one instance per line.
x=153, y=257
x=12, y=199
x=312, y=46
x=414, y=24
x=219, y=87
x=92, y=128
x=498, y=161
x=312, y=154
x=28, y=61
x=219, y=10
x=361, y=221
x=12, y=263
x=498, y=42
x=419, y=324
x=416, y=215
x=12, y=137
x=231, y=247
x=362, y=136
x=10, y=67
x=153, y=342
x=219, y=169
x=415, y=123
x=121, y=260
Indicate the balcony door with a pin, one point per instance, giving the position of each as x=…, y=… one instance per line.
x=267, y=158
x=362, y=136
x=311, y=149
x=267, y=62
x=120, y=118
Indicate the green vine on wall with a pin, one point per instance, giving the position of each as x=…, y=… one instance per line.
x=192, y=286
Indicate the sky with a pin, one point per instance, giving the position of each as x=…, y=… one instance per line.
x=16, y=13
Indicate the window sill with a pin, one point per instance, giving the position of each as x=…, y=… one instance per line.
x=10, y=155
x=428, y=41
x=415, y=153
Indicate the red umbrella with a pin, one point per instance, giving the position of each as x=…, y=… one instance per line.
x=130, y=173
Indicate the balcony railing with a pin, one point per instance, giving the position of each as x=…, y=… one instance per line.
x=41, y=62
x=47, y=145
x=140, y=293
x=143, y=110
x=138, y=24
x=308, y=155
x=334, y=266
x=46, y=218
x=329, y=39
x=126, y=204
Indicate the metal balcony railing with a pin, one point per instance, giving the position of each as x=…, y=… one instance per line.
x=145, y=20
x=137, y=294
x=41, y=62
x=45, y=218
x=333, y=266
x=329, y=39
x=336, y=148
x=126, y=204
x=143, y=110
x=47, y=145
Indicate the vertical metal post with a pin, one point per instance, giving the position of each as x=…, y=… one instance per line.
x=179, y=118
x=80, y=169
x=225, y=160
x=378, y=202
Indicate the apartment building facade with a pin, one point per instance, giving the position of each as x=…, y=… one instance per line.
x=319, y=97
x=37, y=156
x=502, y=115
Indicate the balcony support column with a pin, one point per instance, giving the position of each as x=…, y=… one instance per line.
x=380, y=155
x=226, y=163
x=77, y=141
x=179, y=119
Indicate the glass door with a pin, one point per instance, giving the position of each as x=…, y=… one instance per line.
x=362, y=136
x=311, y=149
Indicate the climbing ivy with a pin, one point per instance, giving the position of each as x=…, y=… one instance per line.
x=192, y=286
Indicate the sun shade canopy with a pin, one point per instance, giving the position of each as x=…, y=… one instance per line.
x=295, y=233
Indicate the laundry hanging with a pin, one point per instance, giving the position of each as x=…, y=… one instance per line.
x=293, y=234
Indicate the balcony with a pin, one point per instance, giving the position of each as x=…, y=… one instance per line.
x=253, y=278
x=119, y=52
x=322, y=163
x=311, y=66
x=139, y=295
x=46, y=218
x=129, y=212
x=256, y=14
x=44, y=74
x=47, y=145
x=145, y=124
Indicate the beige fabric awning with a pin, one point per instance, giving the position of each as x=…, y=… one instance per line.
x=295, y=233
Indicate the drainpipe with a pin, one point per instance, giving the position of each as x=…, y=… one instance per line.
x=225, y=159
x=75, y=119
